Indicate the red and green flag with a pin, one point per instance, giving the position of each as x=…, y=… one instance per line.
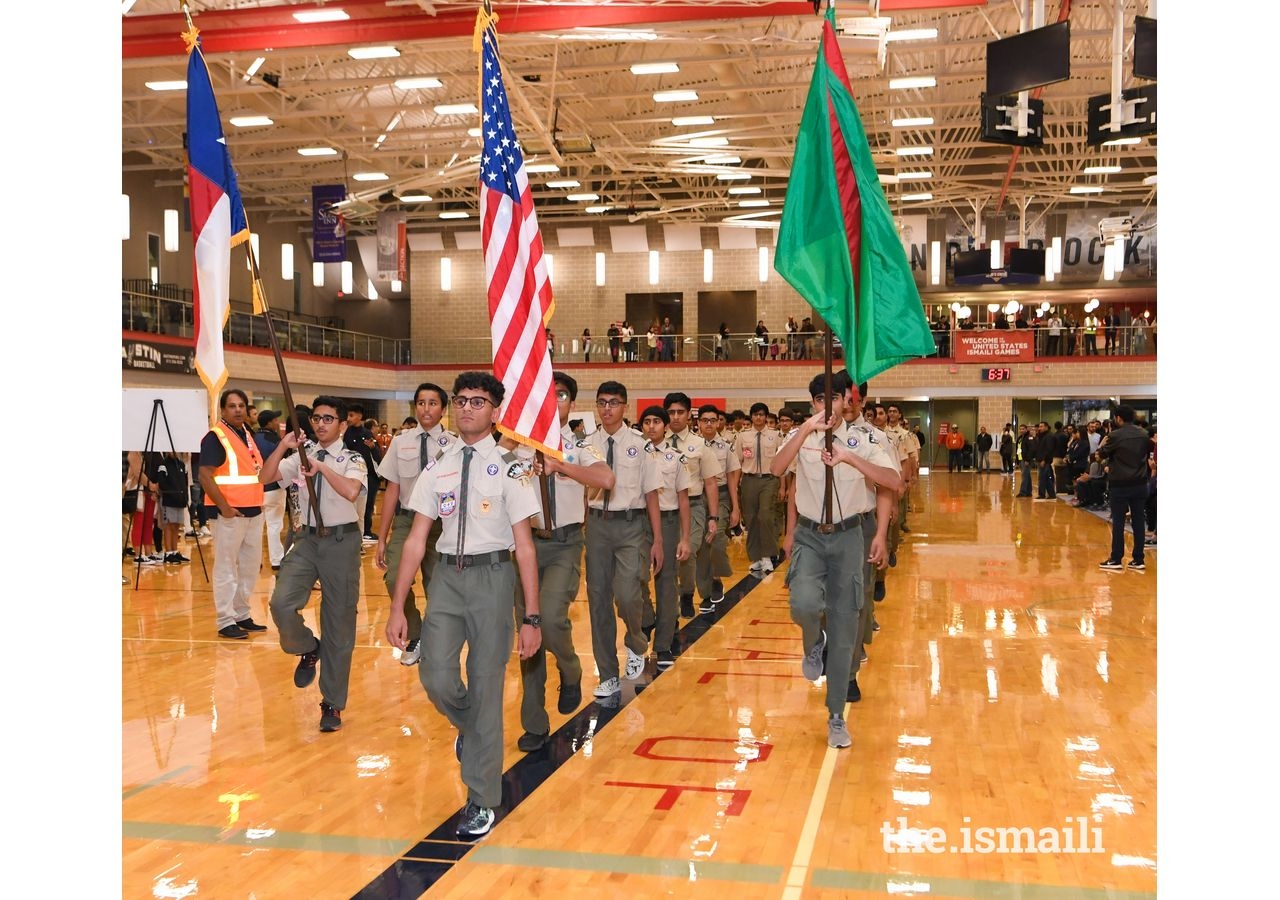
x=837, y=245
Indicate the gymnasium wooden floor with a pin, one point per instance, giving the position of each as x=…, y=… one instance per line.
x=1012, y=687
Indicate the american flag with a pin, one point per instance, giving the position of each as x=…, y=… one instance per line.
x=520, y=303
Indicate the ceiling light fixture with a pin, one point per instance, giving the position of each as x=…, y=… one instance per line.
x=1086, y=189
x=606, y=34
x=913, y=122
x=254, y=67
x=317, y=151
x=321, y=15
x=418, y=83
x=917, y=196
x=167, y=85
x=373, y=52
x=914, y=81
x=674, y=96
x=914, y=151
x=415, y=198
x=456, y=109
x=1101, y=170
x=722, y=160
x=596, y=210
x=733, y=176
x=582, y=198
x=687, y=121
x=565, y=183
x=749, y=203
x=708, y=142
x=915, y=176
x=369, y=176
x=1122, y=142
x=912, y=34
x=654, y=68
x=251, y=121
x=1149, y=180
x=744, y=190
x=455, y=214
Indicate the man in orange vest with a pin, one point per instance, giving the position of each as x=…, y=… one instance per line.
x=955, y=446
x=229, y=464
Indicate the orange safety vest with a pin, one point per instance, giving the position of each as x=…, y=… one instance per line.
x=237, y=477
x=955, y=440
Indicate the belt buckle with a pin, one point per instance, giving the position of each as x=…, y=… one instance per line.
x=827, y=528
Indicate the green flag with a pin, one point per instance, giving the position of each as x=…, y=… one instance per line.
x=837, y=244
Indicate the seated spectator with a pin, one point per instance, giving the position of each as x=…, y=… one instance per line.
x=1091, y=487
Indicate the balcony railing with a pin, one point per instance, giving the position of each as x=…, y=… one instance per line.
x=167, y=309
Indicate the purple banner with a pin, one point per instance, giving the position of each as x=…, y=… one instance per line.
x=328, y=226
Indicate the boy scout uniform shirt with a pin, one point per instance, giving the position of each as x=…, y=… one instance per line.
x=874, y=437
x=498, y=493
x=903, y=441
x=635, y=473
x=673, y=476
x=402, y=463
x=745, y=446
x=852, y=494
x=334, y=508
x=700, y=463
x=719, y=448
x=571, y=505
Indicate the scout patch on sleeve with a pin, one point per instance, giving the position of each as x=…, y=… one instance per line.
x=448, y=504
x=519, y=469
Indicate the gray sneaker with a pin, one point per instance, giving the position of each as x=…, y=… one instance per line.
x=412, y=653
x=838, y=733
x=475, y=821
x=635, y=666
x=811, y=666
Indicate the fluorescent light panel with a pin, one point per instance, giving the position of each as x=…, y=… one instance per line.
x=744, y=190
x=675, y=96
x=915, y=176
x=654, y=68
x=369, y=176
x=912, y=34
x=1086, y=189
x=733, y=176
x=455, y=214
x=913, y=122
x=317, y=151
x=582, y=198
x=914, y=151
x=541, y=167
x=254, y=67
x=373, y=52
x=595, y=210
x=915, y=81
x=251, y=121
x=925, y=196
x=722, y=160
x=415, y=198
x=689, y=121
x=321, y=15
x=167, y=85
x=749, y=203
x=1101, y=170
x=418, y=83
x=1122, y=142
x=456, y=109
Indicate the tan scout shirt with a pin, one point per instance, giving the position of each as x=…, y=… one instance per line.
x=635, y=473
x=874, y=438
x=903, y=441
x=725, y=457
x=499, y=492
x=570, y=495
x=698, y=460
x=756, y=449
x=673, y=476
x=334, y=508
x=851, y=494
x=401, y=463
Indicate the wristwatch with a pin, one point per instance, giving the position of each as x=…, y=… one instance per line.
x=535, y=620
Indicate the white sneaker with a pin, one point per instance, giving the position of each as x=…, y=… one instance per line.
x=755, y=566
x=412, y=653
x=205, y=532
x=766, y=566
x=635, y=666
x=608, y=687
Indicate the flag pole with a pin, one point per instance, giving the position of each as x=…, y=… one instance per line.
x=260, y=305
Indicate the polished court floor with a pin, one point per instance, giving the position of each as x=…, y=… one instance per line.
x=1004, y=746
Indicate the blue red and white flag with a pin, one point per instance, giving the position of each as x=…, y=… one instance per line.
x=217, y=219
x=519, y=289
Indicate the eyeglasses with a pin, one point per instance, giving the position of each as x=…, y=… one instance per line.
x=562, y=395
x=475, y=402
x=609, y=404
x=326, y=419
x=711, y=421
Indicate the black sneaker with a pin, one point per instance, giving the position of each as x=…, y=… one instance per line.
x=305, y=673
x=1111, y=565
x=906, y=530
x=250, y=625
x=666, y=659
x=893, y=560
x=853, y=694
x=706, y=606
x=330, y=717
x=570, y=698
x=717, y=587
x=529, y=742
x=457, y=746
x=475, y=821
x=878, y=594
x=1138, y=566
x=128, y=551
x=686, y=606
x=233, y=631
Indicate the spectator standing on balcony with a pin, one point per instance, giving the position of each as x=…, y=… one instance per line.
x=1069, y=328
x=792, y=329
x=651, y=339
x=773, y=349
x=1054, y=326
x=1110, y=321
x=1091, y=324
x=668, y=340
x=762, y=339
x=722, y=341
x=586, y=345
x=1140, y=336
x=615, y=341
x=629, y=352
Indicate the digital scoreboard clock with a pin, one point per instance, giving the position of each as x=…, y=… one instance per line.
x=997, y=375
